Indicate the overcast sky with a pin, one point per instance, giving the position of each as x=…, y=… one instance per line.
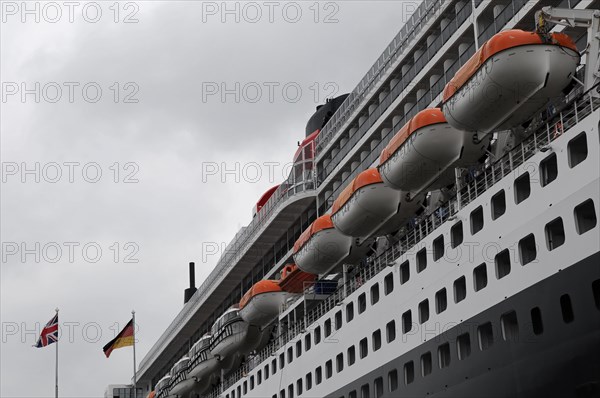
x=114, y=138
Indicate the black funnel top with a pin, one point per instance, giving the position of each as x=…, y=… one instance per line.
x=323, y=114
x=189, y=292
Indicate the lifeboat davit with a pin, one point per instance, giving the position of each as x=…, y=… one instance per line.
x=367, y=207
x=423, y=154
x=262, y=303
x=181, y=384
x=162, y=387
x=203, y=365
x=510, y=78
x=232, y=338
x=321, y=248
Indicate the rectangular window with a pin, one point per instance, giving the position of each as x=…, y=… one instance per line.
x=486, y=336
x=307, y=342
x=362, y=303
x=555, y=233
x=423, y=311
x=299, y=386
x=374, y=294
x=522, y=188
x=577, y=149
x=317, y=335
x=327, y=327
x=585, y=217
x=502, y=262
x=290, y=355
x=352, y=394
x=338, y=320
x=393, y=380
x=274, y=366
x=406, y=322
x=318, y=375
x=527, y=249
x=510, y=326
x=266, y=372
x=281, y=361
x=426, y=364
x=476, y=220
x=548, y=169
x=328, y=369
x=298, y=348
x=363, y=348
x=460, y=289
x=480, y=279
x=536, y=321
x=251, y=383
x=390, y=331
x=308, y=379
x=388, y=283
x=259, y=377
x=444, y=355
x=409, y=372
x=438, y=248
x=421, y=260
x=291, y=391
x=349, y=312
x=566, y=308
x=376, y=340
x=365, y=391
x=596, y=292
x=441, y=301
x=282, y=394
x=378, y=387
x=404, y=272
x=463, y=346
x=456, y=234
x=351, y=355
x=498, y=204
x=339, y=362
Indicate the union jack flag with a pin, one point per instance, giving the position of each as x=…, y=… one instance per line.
x=49, y=333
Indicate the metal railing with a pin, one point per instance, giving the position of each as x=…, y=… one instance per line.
x=409, y=31
x=485, y=176
x=403, y=83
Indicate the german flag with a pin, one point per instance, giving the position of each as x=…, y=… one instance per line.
x=123, y=339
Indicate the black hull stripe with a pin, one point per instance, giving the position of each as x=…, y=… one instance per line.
x=563, y=361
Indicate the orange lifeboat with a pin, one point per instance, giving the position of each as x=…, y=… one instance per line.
x=367, y=207
x=321, y=247
x=262, y=303
x=423, y=154
x=511, y=77
x=294, y=280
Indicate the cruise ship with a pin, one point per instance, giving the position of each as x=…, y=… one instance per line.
x=437, y=236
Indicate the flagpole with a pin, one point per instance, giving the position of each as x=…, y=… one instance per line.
x=134, y=364
x=56, y=386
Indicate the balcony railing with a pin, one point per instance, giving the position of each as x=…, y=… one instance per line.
x=405, y=82
x=542, y=134
x=409, y=31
